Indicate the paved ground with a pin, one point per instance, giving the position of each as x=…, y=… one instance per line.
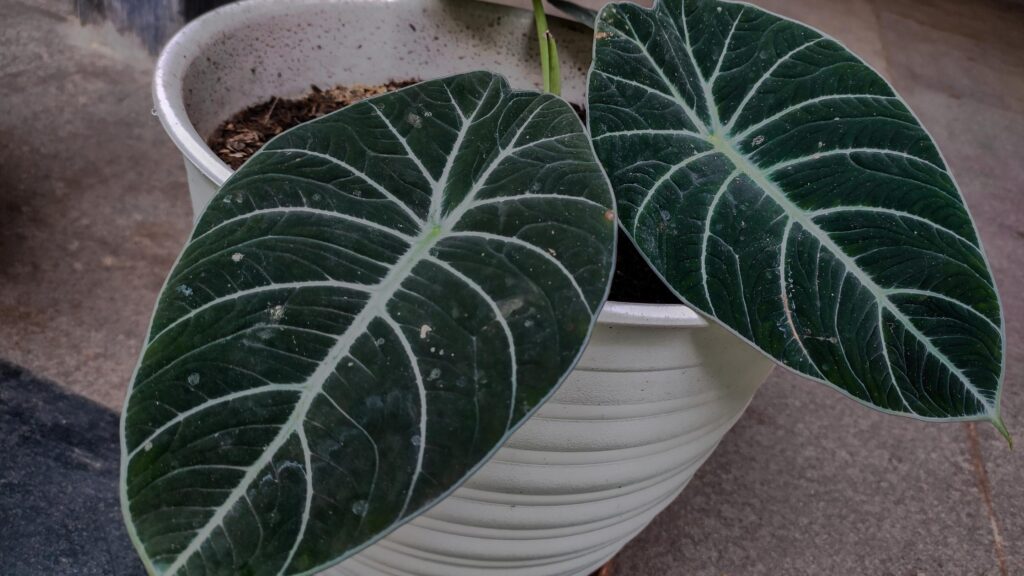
x=59, y=447
x=93, y=208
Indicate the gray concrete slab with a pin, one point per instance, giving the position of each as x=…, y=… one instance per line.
x=93, y=206
x=93, y=209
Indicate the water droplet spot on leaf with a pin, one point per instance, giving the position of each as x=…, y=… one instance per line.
x=359, y=508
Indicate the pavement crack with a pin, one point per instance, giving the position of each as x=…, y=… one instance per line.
x=985, y=489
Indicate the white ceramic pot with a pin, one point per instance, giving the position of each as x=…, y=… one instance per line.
x=657, y=387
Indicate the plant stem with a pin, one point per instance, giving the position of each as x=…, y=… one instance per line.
x=542, y=37
x=554, y=68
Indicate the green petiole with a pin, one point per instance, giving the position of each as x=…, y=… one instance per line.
x=549, y=67
x=554, y=70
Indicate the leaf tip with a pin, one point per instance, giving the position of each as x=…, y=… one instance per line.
x=997, y=421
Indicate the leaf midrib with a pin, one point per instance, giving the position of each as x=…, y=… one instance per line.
x=796, y=214
x=375, y=308
x=381, y=294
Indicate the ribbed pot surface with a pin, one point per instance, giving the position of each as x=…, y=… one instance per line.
x=614, y=446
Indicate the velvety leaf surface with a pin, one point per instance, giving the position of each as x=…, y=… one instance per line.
x=778, y=184
x=364, y=312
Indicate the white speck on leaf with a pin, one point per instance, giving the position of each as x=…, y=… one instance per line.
x=416, y=440
x=414, y=119
x=380, y=341
x=434, y=374
x=758, y=140
x=184, y=290
x=148, y=446
x=277, y=312
x=359, y=508
x=424, y=330
x=237, y=257
x=193, y=379
x=507, y=307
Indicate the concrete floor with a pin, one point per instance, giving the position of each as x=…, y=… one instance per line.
x=93, y=209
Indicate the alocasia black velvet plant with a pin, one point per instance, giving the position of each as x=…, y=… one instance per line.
x=378, y=298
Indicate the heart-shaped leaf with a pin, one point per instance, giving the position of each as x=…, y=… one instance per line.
x=778, y=184
x=364, y=312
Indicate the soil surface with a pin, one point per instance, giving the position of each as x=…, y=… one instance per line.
x=240, y=136
x=243, y=134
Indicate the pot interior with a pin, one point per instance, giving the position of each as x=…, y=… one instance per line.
x=252, y=51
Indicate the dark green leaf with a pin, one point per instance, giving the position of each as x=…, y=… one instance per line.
x=364, y=312
x=778, y=184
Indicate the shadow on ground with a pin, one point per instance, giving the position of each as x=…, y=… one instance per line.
x=58, y=483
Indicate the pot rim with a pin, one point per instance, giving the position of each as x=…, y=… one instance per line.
x=169, y=107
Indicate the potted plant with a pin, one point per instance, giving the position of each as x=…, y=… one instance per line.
x=372, y=306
